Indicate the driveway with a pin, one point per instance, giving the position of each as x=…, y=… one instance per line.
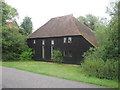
x=13, y=78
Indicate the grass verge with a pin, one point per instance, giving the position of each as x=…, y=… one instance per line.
x=0, y=63
x=61, y=71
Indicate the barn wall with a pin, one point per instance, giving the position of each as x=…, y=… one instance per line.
x=78, y=46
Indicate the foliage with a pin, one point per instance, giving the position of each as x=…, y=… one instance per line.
x=26, y=55
x=26, y=26
x=57, y=56
x=13, y=43
x=112, y=9
x=101, y=69
x=8, y=12
x=102, y=61
x=91, y=21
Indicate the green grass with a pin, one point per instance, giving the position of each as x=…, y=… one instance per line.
x=68, y=72
x=0, y=63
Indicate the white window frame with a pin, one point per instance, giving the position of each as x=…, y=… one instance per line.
x=69, y=39
x=43, y=42
x=34, y=41
x=52, y=42
x=65, y=40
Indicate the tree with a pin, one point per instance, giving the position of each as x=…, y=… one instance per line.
x=26, y=26
x=102, y=61
x=13, y=42
x=91, y=21
x=112, y=9
x=8, y=13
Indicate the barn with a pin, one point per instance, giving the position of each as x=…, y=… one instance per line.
x=65, y=33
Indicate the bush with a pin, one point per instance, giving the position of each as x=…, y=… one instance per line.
x=102, y=69
x=13, y=44
x=57, y=56
x=26, y=55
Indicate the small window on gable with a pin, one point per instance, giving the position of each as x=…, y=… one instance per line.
x=52, y=42
x=43, y=42
x=65, y=40
x=69, y=39
x=34, y=42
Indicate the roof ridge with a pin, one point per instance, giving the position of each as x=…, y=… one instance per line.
x=62, y=16
x=73, y=20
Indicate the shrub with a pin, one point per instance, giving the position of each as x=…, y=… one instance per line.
x=57, y=56
x=26, y=55
x=13, y=44
x=102, y=69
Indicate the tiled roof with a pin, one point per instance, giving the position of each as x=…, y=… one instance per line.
x=64, y=26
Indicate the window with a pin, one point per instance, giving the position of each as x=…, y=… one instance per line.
x=43, y=52
x=64, y=53
x=65, y=40
x=43, y=49
x=43, y=42
x=69, y=39
x=52, y=48
x=67, y=53
x=34, y=41
x=52, y=42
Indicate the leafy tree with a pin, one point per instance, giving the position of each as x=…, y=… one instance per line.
x=102, y=61
x=7, y=12
x=26, y=26
x=112, y=9
x=91, y=21
x=13, y=42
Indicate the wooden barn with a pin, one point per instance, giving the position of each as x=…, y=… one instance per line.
x=65, y=33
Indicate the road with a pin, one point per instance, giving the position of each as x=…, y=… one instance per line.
x=13, y=78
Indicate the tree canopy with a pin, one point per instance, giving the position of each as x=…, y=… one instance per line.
x=102, y=61
x=91, y=21
x=8, y=13
x=26, y=26
x=13, y=42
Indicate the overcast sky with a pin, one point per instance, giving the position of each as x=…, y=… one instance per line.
x=42, y=10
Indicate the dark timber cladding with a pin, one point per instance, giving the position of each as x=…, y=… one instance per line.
x=65, y=33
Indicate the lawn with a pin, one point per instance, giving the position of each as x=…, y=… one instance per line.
x=68, y=72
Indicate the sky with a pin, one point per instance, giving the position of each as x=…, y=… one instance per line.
x=41, y=11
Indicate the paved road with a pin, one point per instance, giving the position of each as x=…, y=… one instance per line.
x=13, y=78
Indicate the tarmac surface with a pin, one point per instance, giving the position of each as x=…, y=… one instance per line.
x=13, y=78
